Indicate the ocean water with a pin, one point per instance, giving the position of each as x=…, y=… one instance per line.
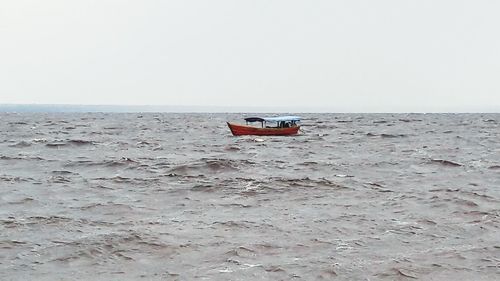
x=176, y=197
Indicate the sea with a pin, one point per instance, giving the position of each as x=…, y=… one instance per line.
x=174, y=196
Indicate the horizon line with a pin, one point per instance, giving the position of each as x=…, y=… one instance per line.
x=148, y=108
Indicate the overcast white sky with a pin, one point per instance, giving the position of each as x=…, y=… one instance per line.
x=352, y=55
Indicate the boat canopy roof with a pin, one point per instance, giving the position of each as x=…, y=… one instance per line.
x=273, y=119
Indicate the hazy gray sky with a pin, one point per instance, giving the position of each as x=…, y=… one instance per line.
x=352, y=55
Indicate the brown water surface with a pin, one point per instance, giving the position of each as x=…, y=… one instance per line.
x=176, y=197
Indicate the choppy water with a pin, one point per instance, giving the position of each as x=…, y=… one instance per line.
x=176, y=197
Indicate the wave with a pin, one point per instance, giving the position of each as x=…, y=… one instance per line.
x=38, y=158
x=63, y=172
x=124, y=161
x=251, y=187
x=139, y=182
x=21, y=144
x=73, y=142
x=447, y=163
x=210, y=165
x=109, y=248
x=384, y=135
x=59, y=179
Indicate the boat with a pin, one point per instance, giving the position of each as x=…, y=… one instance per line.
x=284, y=126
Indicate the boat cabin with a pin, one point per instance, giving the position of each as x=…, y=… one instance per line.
x=278, y=122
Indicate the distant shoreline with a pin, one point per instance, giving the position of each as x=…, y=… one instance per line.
x=74, y=108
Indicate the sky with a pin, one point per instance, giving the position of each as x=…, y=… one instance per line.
x=349, y=56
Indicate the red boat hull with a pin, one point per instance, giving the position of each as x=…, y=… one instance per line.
x=242, y=130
